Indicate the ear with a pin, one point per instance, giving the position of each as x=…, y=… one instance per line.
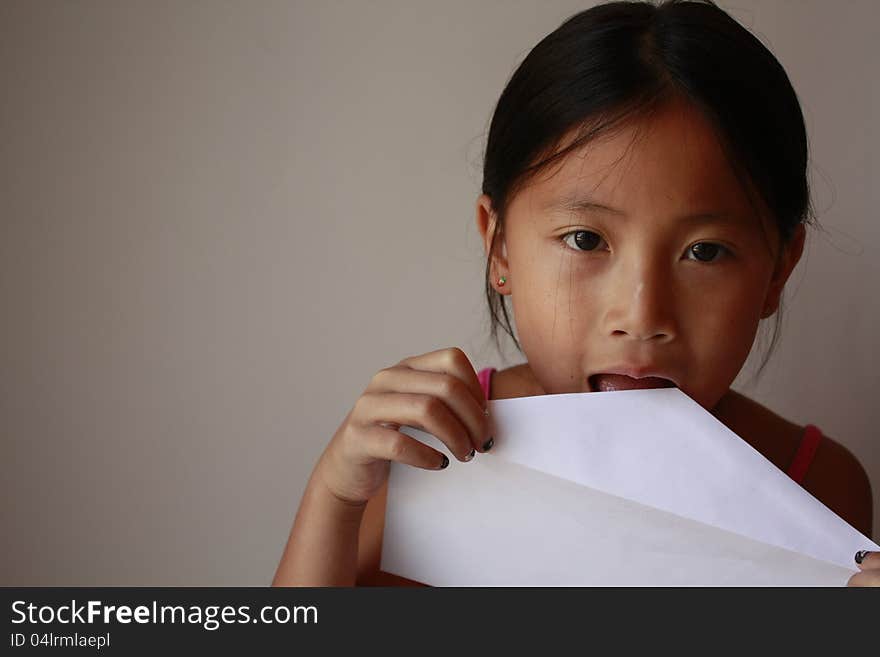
x=487, y=224
x=785, y=264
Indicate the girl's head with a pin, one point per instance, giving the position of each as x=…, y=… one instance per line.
x=644, y=194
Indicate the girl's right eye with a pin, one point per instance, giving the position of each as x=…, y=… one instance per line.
x=586, y=240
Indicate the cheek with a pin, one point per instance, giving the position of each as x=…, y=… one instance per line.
x=554, y=306
x=721, y=326
x=729, y=307
x=556, y=292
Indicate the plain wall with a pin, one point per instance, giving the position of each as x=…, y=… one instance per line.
x=220, y=219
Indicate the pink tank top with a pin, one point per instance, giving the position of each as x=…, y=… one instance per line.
x=799, y=464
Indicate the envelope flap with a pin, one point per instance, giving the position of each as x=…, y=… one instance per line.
x=662, y=449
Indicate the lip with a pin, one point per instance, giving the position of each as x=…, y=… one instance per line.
x=634, y=372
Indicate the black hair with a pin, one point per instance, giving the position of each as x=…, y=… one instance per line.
x=618, y=60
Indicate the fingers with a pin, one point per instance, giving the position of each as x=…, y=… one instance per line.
x=438, y=393
x=425, y=412
x=867, y=560
x=452, y=391
x=392, y=445
x=869, y=565
x=865, y=578
x=452, y=361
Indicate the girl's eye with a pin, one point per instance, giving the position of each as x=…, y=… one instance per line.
x=586, y=240
x=706, y=251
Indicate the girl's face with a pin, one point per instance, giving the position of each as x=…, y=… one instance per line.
x=640, y=253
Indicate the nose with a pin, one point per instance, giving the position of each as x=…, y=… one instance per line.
x=641, y=304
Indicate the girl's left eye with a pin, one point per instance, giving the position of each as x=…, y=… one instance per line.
x=706, y=251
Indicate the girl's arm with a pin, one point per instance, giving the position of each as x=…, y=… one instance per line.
x=322, y=547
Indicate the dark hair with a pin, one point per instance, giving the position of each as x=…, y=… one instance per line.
x=623, y=59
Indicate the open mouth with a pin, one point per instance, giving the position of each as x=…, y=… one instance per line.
x=610, y=382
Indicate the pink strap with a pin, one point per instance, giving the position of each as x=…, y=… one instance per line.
x=484, y=376
x=806, y=451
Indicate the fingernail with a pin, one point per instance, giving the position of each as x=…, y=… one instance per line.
x=445, y=462
x=861, y=554
x=486, y=412
x=470, y=456
x=488, y=444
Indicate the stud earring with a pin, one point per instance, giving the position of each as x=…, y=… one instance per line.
x=502, y=281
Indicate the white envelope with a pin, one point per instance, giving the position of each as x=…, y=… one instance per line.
x=625, y=488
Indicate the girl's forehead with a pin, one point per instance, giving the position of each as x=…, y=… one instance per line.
x=670, y=161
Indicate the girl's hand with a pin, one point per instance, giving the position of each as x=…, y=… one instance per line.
x=437, y=392
x=869, y=564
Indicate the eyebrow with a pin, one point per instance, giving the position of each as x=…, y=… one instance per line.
x=586, y=205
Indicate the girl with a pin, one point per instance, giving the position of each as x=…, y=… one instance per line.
x=643, y=205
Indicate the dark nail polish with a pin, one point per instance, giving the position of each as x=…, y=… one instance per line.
x=471, y=455
x=488, y=444
x=445, y=462
x=861, y=554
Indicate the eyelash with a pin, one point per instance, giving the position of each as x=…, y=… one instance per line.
x=723, y=250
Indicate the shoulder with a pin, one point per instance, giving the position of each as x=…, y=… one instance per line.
x=835, y=477
x=773, y=436
x=838, y=480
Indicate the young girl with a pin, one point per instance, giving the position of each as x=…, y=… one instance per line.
x=644, y=200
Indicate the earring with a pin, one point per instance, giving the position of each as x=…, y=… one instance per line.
x=502, y=281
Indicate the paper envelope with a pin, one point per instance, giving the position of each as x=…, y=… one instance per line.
x=624, y=488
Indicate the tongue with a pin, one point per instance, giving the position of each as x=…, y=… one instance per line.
x=609, y=382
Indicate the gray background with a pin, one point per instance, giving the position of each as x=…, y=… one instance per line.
x=220, y=219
